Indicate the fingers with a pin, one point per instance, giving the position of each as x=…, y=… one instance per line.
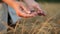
x=20, y=13
x=39, y=10
x=24, y=7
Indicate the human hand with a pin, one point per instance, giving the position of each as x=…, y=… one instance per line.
x=34, y=5
x=17, y=7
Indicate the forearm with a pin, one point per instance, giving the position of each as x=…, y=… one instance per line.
x=9, y=2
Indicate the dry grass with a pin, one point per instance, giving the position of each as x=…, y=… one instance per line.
x=50, y=24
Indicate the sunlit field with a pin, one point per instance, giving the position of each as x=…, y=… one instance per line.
x=49, y=24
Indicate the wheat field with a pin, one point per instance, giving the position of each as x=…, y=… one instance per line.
x=49, y=24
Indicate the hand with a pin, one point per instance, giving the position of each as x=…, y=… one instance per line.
x=32, y=4
x=17, y=7
x=25, y=13
x=20, y=12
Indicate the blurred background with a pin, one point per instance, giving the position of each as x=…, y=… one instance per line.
x=49, y=24
x=47, y=0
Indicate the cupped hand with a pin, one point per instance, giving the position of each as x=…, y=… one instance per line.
x=17, y=7
x=34, y=5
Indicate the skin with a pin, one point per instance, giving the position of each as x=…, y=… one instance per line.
x=32, y=4
x=27, y=11
x=16, y=5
